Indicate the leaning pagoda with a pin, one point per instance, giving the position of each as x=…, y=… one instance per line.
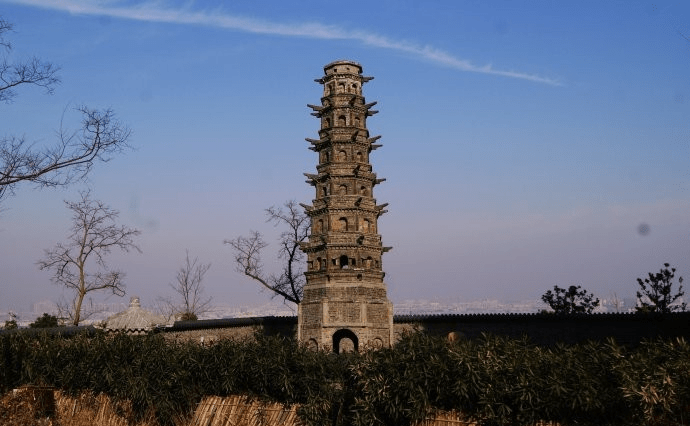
x=344, y=301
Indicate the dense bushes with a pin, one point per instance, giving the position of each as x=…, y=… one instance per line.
x=495, y=381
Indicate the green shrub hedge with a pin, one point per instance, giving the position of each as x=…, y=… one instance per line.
x=495, y=381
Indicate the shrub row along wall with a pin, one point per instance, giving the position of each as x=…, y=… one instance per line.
x=492, y=380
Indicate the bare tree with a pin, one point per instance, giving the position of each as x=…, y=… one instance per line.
x=71, y=158
x=94, y=234
x=32, y=72
x=188, y=286
x=290, y=282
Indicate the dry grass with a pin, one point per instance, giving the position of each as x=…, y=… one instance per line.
x=22, y=407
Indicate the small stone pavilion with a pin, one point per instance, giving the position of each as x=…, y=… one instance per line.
x=344, y=295
x=134, y=320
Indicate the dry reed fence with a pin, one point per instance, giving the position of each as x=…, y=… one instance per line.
x=35, y=407
x=447, y=419
x=28, y=406
x=453, y=418
x=93, y=409
x=240, y=410
x=243, y=411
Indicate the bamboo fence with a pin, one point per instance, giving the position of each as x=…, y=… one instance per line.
x=242, y=411
x=88, y=409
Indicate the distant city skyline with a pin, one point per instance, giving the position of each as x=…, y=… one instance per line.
x=526, y=144
x=276, y=308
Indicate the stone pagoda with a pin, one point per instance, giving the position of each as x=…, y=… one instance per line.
x=344, y=294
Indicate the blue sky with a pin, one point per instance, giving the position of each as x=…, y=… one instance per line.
x=524, y=141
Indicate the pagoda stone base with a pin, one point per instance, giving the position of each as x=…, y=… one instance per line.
x=343, y=318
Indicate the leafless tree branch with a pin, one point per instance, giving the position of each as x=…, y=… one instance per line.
x=101, y=135
x=32, y=72
x=683, y=35
x=72, y=157
x=66, y=312
x=4, y=28
x=94, y=235
x=290, y=282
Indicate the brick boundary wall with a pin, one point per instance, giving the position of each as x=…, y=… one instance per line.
x=541, y=328
x=549, y=329
x=208, y=331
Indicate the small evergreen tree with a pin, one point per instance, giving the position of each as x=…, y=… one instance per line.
x=45, y=321
x=11, y=323
x=656, y=292
x=574, y=300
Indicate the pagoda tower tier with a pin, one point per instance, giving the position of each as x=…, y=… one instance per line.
x=344, y=305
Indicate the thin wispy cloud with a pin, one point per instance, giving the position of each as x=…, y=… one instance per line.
x=156, y=12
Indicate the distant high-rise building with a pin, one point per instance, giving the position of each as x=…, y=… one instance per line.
x=344, y=306
x=44, y=306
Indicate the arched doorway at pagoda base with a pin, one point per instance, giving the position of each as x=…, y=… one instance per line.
x=345, y=340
